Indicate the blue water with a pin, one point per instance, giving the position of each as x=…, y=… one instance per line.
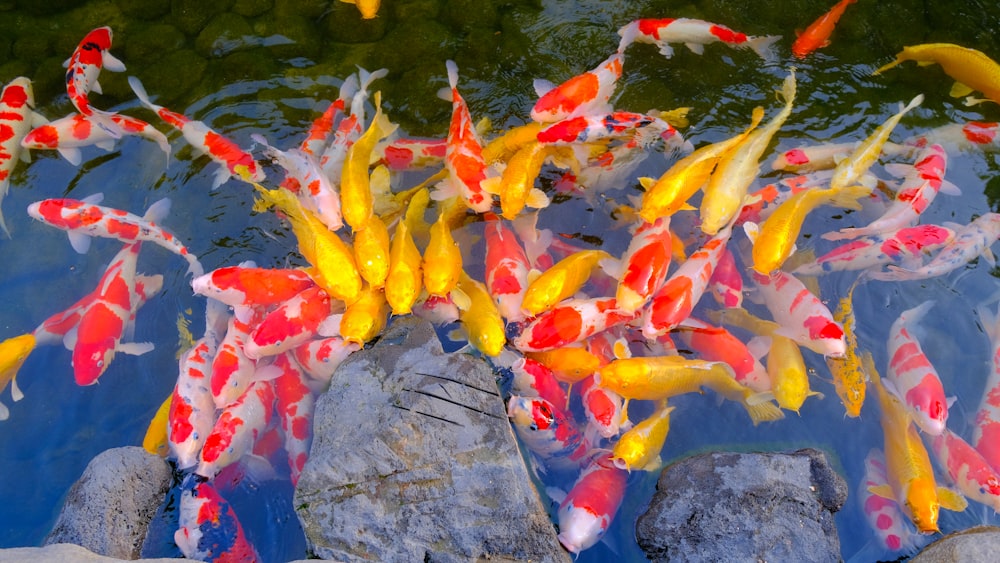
x=500, y=47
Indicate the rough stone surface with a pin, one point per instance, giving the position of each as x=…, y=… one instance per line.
x=108, y=508
x=975, y=544
x=744, y=507
x=63, y=553
x=414, y=460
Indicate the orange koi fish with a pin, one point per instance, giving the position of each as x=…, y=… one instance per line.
x=971, y=69
x=506, y=269
x=249, y=286
x=817, y=35
x=237, y=429
x=367, y=8
x=571, y=321
x=717, y=344
x=644, y=264
x=587, y=511
x=464, y=154
x=583, y=94
x=569, y=364
x=292, y=323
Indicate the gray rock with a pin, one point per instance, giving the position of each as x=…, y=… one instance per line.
x=744, y=507
x=414, y=460
x=108, y=509
x=981, y=543
x=63, y=553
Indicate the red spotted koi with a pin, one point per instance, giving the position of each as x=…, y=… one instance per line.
x=644, y=264
x=584, y=94
x=291, y=324
x=587, y=511
x=320, y=358
x=464, y=153
x=967, y=469
x=249, y=286
x=208, y=529
x=969, y=242
x=506, y=269
x=802, y=316
x=84, y=66
x=237, y=428
x=902, y=247
x=817, y=35
x=533, y=379
x=571, y=321
x=304, y=176
x=884, y=515
x=73, y=132
x=17, y=117
x=916, y=381
x=986, y=423
x=294, y=405
x=694, y=34
x=548, y=432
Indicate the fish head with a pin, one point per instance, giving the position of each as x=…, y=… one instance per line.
x=922, y=504
x=580, y=527
x=91, y=359
x=530, y=413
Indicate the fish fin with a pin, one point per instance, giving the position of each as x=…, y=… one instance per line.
x=15, y=391
x=752, y=230
x=38, y=119
x=971, y=101
x=221, y=176
x=330, y=326
x=646, y=182
x=763, y=410
x=666, y=50
x=958, y=90
x=111, y=62
x=106, y=145
x=621, y=350
x=71, y=154
x=69, y=339
x=949, y=188
x=158, y=210
x=898, y=169
x=461, y=299
x=542, y=86
x=537, y=199
x=759, y=346
x=883, y=491
x=762, y=45
x=951, y=499
x=988, y=256
x=491, y=185
x=269, y=372
x=96, y=87
x=611, y=266
x=4, y=412
x=134, y=348
x=79, y=241
x=696, y=48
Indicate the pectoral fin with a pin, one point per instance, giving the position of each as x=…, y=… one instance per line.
x=958, y=90
x=884, y=491
x=135, y=348
x=951, y=500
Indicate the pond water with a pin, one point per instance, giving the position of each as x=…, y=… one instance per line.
x=245, y=66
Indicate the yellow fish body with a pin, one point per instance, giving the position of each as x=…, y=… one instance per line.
x=850, y=170
x=503, y=147
x=155, y=440
x=481, y=319
x=13, y=352
x=404, y=278
x=787, y=370
x=368, y=8
x=371, y=251
x=356, y=198
x=561, y=281
x=971, y=69
x=442, y=264
x=516, y=186
x=849, y=379
x=366, y=317
x=639, y=447
x=569, y=364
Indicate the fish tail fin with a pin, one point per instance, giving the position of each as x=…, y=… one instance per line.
x=140, y=92
x=916, y=101
x=349, y=88
x=3, y=225
x=762, y=46
x=848, y=197
x=762, y=410
x=366, y=78
x=452, y=76
x=628, y=33
x=884, y=68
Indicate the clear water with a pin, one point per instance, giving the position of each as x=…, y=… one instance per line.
x=247, y=80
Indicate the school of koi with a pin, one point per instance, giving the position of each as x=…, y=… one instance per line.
x=588, y=331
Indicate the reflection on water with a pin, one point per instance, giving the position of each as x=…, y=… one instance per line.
x=273, y=88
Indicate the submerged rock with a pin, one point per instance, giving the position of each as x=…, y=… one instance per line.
x=744, y=507
x=981, y=543
x=108, y=509
x=414, y=460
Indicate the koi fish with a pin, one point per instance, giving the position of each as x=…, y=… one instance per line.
x=349, y=128
x=365, y=318
x=442, y=263
x=661, y=377
x=911, y=373
x=17, y=117
x=884, y=515
x=404, y=279
x=971, y=69
x=208, y=529
x=13, y=352
x=464, y=154
x=569, y=364
x=355, y=187
x=316, y=139
x=367, y=8
x=294, y=405
x=481, y=319
x=516, y=187
x=304, y=177
x=371, y=251
x=971, y=135
x=726, y=283
x=414, y=154
x=292, y=323
x=506, y=269
x=774, y=241
x=800, y=314
x=155, y=439
x=817, y=35
x=967, y=469
x=68, y=134
x=547, y=432
x=237, y=428
x=85, y=64
x=644, y=264
x=591, y=128
x=639, y=447
x=787, y=371
x=738, y=168
x=572, y=321
x=584, y=94
x=235, y=162
x=812, y=158
x=849, y=378
x=902, y=246
x=320, y=358
x=969, y=242
x=249, y=286
x=232, y=371
x=717, y=344
x=694, y=34
x=192, y=408
x=561, y=281
x=83, y=219
x=908, y=467
x=534, y=379
x=587, y=511
x=852, y=169
x=604, y=408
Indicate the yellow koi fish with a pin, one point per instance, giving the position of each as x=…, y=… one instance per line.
x=849, y=379
x=503, y=147
x=561, y=281
x=356, y=199
x=908, y=467
x=155, y=441
x=13, y=352
x=787, y=370
x=333, y=265
x=669, y=194
x=404, y=280
x=971, y=69
x=850, y=170
x=366, y=317
x=516, y=187
x=368, y=8
x=482, y=321
x=371, y=251
x=662, y=377
x=774, y=241
x=570, y=364
x=640, y=446
x=442, y=264
x=738, y=168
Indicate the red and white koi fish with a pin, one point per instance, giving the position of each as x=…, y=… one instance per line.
x=584, y=94
x=969, y=242
x=237, y=428
x=534, y=379
x=98, y=335
x=506, y=269
x=604, y=408
x=436, y=309
x=986, y=423
x=673, y=303
x=17, y=117
x=923, y=180
x=208, y=529
x=591, y=128
x=903, y=246
x=236, y=163
x=320, y=358
x=812, y=158
x=588, y=509
x=304, y=176
x=726, y=283
x=413, y=154
x=294, y=404
x=644, y=264
x=69, y=134
x=884, y=515
x=249, y=286
x=316, y=139
x=548, y=433
x=84, y=66
x=291, y=324
x=83, y=219
x=971, y=135
x=967, y=469
x=716, y=344
x=802, y=316
x=916, y=381
x=572, y=321
x=464, y=154
x=349, y=128
x=817, y=35
x=694, y=34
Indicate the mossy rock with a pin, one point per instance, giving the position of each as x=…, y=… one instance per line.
x=149, y=44
x=304, y=8
x=49, y=82
x=69, y=29
x=307, y=41
x=46, y=7
x=404, y=10
x=224, y=34
x=344, y=25
x=144, y=9
x=411, y=100
x=463, y=15
x=252, y=8
x=437, y=44
x=12, y=69
x=191, y=16
x=241, y=66
x=172, y=76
